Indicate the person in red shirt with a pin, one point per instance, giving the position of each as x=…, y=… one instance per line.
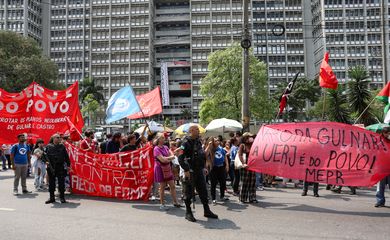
x=88, y=144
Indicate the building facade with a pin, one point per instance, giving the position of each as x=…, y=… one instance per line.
x=354, y=32
x=22, y=16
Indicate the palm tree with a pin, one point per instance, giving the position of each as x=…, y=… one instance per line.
x=186, y=114
x=359, y=94
x=339, y=111
x=87, y=86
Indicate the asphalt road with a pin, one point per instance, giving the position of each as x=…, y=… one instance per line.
x=281, y=214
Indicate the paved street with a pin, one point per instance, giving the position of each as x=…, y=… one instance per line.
x=281, y=214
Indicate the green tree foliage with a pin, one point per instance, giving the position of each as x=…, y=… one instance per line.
x=359, y=94
x=221, y=88
x=87, y=87
x=305, y=91
x=22, y=62
x=90, y=108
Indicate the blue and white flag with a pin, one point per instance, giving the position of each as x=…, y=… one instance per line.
x=122, y=104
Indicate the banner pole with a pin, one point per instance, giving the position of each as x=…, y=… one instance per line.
x=364, y=111
x=81, y=135
x=323, y=105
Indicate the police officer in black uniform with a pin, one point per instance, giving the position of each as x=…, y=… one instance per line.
x=56, y=155
x=192, y=160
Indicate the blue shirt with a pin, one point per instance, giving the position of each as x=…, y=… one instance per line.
x=20, y=153
x=233, y=153
x=219, y=157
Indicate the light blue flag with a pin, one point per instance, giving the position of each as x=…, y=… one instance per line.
x=122, y=104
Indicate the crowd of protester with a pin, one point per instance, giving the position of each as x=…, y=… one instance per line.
x=49, y=163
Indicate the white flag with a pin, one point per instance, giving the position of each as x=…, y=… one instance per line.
x=164, y=84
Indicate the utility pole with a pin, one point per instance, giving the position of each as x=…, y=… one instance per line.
x=245, y=44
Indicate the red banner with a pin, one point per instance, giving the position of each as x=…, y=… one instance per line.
x=324, y=152
x=38, y=111
x=127, y=175
x=150, y=104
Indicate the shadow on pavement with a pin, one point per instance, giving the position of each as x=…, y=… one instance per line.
x=307, y=208
x=29, y=195
x=65, y=205
x=6, y=177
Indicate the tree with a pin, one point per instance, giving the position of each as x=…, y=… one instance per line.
x=186, y=114
x=87, y=86
x=359, y=94
x=221, y=88
x=304, y=91
x=90, y=108
x=22, y=62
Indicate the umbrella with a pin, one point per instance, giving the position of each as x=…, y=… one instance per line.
x=183, y=129
x=154, y=127
x=224, y=125
x=377, y=127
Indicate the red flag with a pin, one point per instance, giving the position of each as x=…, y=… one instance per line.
x=327, y=77
x=150, y=104
x=74, y=133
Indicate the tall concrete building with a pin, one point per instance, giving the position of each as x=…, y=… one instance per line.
x=355, y=32
x=282, y=38
x=22, y=16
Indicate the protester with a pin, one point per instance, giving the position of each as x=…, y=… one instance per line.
x=7, y=153
x=57, y=156
x=248, y=188
x=306, y=188
x=113, y=145
x=20, y=160
x=88, y=144
x=133, y=143
x=380, y=192
x=236, y=179
x=3, y=159
x=175, y=162
x=39, y=165
x=219, y=169
x=192, y=160
x=103, y=145
x=163, y=170
x=228, y=148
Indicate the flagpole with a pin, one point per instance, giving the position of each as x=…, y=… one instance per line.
x=364, y=111
x=81, y=135
x=323, y=105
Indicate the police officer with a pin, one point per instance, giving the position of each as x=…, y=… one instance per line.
x=56, y=155
x=192, y=160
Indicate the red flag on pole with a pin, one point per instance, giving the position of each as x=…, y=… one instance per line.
x=74, y=133
x=150, y=104
x=327, y=77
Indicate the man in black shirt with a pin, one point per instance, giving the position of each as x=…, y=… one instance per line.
x=113, y=145
x=56, y=156
x=103, y=145
x=192, y=160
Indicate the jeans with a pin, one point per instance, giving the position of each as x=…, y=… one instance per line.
x=231, y=172
x=20, y=173
x=217, y=175
x=259, y=180
x=39, y=177
x=4, y=161
x=236, y=182
x=380, y=191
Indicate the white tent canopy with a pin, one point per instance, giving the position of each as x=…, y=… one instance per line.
x=224, y=125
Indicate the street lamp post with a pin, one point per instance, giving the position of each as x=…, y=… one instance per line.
x=245, y=44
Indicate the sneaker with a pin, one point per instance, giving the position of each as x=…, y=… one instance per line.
x=260, y=188
x=225, y=199
x=316, y=195
x=214, y=202
x=304, y=193
x=62, y=200
x=16, y=192
x=153, y=198
x=26, y=192
x=164, y=208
